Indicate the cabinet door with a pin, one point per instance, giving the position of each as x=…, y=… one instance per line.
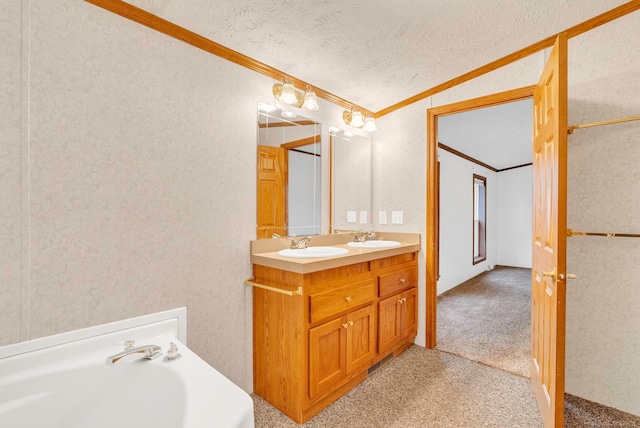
x=327, y=355
x=388, y=323
x=409, y=313
x=360, y=338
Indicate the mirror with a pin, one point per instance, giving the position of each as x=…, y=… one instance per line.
x=351, y=181
x=289, y=173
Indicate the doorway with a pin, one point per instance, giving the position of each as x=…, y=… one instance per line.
x=485, y=212
x=433, y=208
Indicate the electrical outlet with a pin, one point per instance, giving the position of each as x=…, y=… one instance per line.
x=397, y=217
x=351, y=216
x=382, y=217
x=363, y=217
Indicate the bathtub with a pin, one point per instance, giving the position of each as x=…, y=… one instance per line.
x=66, y=381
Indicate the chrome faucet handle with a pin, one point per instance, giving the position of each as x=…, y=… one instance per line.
x=298, y=244
x=150, y=352
x=172, y=353
x=360, y=236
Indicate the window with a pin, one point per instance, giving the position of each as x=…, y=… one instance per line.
x=479, y=219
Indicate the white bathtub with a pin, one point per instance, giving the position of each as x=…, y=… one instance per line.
x=65, y=381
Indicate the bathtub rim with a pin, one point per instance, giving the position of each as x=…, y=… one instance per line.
x=179, y=314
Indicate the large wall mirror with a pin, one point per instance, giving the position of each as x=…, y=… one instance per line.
x=289, y=193
x=351, y=184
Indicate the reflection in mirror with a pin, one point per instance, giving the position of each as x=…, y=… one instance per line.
x=289, y=174
x=351, y=181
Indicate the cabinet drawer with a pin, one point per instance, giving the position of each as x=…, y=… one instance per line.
x=398, y=281
x=324, y=305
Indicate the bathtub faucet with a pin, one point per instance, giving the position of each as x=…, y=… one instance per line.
x=150, y=352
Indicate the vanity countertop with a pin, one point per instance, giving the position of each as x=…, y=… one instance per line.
x=264, y=252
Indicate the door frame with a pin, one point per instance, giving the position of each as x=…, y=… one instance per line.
x=433, y=185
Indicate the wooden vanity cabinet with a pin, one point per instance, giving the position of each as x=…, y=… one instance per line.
x=311, y=349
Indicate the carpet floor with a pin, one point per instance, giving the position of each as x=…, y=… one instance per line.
x=424, y=388
x=488, y=319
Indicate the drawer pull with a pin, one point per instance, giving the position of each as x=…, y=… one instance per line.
x=402, y=280
x=348, y=298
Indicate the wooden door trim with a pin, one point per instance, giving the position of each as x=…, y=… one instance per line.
x=431, y=241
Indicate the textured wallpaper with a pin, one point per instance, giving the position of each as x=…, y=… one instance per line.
x=603, y=322
x=602, y=346
x=10, y=172
x=140, y=191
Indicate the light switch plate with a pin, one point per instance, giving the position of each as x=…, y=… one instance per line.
x=363, y=217
x=397, y=217
x=351, y=216
x=382, y=217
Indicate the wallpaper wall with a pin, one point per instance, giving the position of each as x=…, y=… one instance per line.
x=456, y=227
x=602, y=332
x=128, y=179
x=603, y=322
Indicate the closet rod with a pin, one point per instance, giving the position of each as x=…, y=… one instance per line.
x=571, y=232
x=570, y=129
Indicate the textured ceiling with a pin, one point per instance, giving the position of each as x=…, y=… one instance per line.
x=376, y=53
x=499, y=136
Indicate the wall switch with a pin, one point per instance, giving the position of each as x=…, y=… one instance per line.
x=351, y=216
x=363, y=217
x=397, y=217
x=382, y=217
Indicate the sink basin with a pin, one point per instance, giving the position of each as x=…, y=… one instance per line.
x=313, y=252
x=374, y=244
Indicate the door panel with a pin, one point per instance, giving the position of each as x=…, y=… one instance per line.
x=549, y=233
x=388, y=324
x=360, y=338
x=271, y=191
x=409, y=313
x=327, y=356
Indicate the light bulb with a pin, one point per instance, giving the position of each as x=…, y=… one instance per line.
x=288, y=95
x=356, y=119
x=370, y=124
x=310, y=100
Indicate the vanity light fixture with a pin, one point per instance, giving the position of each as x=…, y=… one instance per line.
x=287, y=93
x=354, y=118
x=310, y=100
x=370, y=124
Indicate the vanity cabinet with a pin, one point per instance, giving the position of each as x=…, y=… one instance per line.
x=339, y=347
x=315, y=343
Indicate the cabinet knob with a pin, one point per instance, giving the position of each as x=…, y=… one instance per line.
x=348, y=298
x=402, y=280
x=345, y=325
x=350, y=323
x=400, y=301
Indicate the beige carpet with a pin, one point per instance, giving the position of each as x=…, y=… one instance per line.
x=488, y=319
x=424, y=388
x=428, y=388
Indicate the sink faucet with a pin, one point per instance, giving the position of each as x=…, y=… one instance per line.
x=150, y=352
x=361, y=236
x=298, y=244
